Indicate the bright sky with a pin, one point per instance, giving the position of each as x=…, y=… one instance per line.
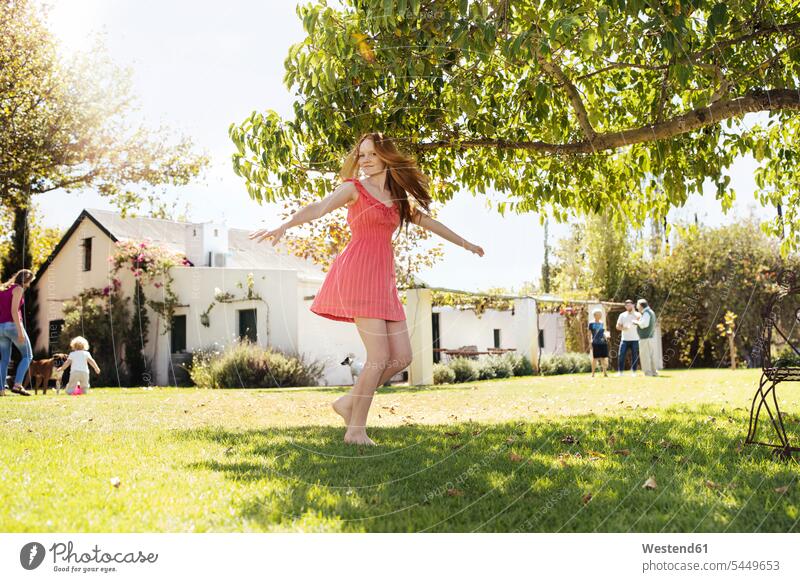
x=199, y=66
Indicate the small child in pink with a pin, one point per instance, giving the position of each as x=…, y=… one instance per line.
x=80, y=359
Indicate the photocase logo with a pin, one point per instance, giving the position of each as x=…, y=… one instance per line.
x=32, y=555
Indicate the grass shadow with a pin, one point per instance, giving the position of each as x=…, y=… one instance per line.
x=577, y=474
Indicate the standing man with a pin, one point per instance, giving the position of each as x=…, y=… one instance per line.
x=646, y=326
x=630, y=338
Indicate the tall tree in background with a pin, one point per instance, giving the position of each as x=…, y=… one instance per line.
x=569, y=105
x=65, y=125
x=598, y=259
x=710, y=272
x=546, y=263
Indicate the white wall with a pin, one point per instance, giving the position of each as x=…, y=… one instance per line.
x=276, y=311
x=553, y=326
x=65, y=277
x=463, y=328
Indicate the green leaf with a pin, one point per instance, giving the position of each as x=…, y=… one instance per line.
x=588, y=40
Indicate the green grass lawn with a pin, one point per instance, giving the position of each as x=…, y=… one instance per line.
x=556, y=454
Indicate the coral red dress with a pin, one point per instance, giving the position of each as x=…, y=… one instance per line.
x=361, y=281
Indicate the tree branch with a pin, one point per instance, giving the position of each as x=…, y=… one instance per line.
x=555, y=71
x=754, y=101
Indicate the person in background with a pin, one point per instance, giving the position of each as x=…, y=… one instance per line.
x=79, y=359
x=630, y=338
x=12, y=330
x=599, y=343
x=646, y=326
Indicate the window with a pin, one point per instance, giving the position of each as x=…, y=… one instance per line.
x=178, y=334
x=247, y=325
x=436, y=343
x=54, y=335
x=541, y=339
x=497, y=338
x=87, y=254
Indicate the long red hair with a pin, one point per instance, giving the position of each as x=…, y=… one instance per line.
x=403, y=177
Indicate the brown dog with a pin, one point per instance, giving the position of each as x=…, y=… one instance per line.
x=41, y=372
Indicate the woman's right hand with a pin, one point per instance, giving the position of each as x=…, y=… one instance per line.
x=474, y=249
x=264, y=234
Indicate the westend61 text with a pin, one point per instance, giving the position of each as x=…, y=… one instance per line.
x=64, y=551
x=670, y=549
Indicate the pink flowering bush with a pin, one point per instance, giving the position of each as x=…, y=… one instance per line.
x=149, y=263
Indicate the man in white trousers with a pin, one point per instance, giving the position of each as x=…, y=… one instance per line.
x=646, y=326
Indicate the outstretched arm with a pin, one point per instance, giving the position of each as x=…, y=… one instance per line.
x=436, y=227
x=94, y=365
x=344, y=193
x=65, y=365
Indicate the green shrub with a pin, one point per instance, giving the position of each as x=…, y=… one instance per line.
x=465, y=369
x=443, y=374
x=495, y=367
x=569, y=363
x=247, y=365
x=486, y=370
x=786, y=357
x=520, y=365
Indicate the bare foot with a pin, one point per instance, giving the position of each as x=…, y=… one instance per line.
x=344, y=407
x=358, y=438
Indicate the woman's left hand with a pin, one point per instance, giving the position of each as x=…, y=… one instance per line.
x=474, y=249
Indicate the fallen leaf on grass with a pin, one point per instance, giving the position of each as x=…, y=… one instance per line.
x=650, y=483
x=511, y=440
x=514, y=457
x=456, y=446
x=455, y=492
x=115, y=482
x=612, y=440
x=570, y=440
x=594, y=455
x=711, y=485
x=622, y=452
x=665, y=444
x=782, y=490
x=586, y=498
x=452, y=434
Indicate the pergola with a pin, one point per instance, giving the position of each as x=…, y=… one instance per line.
x=419, y=306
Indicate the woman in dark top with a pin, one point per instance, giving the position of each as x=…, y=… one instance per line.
x=599, y=343
x=12, y=331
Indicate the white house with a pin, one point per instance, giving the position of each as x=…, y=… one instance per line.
x=222, y=258
x=269, y=295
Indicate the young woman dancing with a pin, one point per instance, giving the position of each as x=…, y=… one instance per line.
x=360, y=286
